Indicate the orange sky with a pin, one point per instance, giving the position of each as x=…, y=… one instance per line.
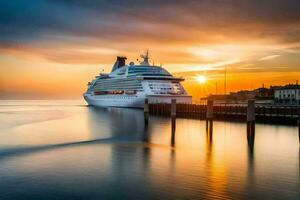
x=54, y=54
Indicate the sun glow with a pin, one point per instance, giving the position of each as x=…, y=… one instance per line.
x=201, y=79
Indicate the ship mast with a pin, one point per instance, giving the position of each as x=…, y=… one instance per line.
x=146, y=58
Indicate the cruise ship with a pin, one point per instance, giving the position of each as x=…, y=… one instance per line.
x=128, y=85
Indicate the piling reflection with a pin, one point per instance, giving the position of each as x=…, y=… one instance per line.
x=251, y=160
x=147, y=149
x=250, y=141
x=209, y=129
x=146, y=133
x=217, y=167
x=299, y=167
x=173, y=131
x=209, y=142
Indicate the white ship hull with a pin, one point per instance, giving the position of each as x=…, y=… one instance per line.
x=131, y=101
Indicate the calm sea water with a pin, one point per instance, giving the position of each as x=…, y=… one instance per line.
x=66, y=150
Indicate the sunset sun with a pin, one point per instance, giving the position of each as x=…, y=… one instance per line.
x=201, y=79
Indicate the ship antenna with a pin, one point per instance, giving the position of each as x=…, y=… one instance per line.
x=146, y=58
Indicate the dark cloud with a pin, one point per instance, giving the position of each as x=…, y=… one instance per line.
x=29, y=20
x=122, y=24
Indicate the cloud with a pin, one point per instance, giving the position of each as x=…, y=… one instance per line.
x=176, y=31
x=27, y=21
x=269, y=57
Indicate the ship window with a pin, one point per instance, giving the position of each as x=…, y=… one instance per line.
x=146, y=70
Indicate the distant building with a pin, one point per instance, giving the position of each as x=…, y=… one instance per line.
x=264, y=93
x=288, y=94
x=242, y=95
x=261, y=95
x=284, y=95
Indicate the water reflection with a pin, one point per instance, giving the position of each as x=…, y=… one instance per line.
x=119, y=123
x=209, y=131
x=251, y=161
x=250, y=141
x=135, y=161
x=209, y=160
x=173, y=131
x=209, y=144
x=146, y=150
x=146, y=134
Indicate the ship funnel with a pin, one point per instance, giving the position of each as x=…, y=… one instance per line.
x=120, y=62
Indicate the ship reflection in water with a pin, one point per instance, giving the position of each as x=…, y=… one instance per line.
x=69, y=151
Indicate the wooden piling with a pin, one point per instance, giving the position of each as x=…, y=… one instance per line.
x=299, y=123
x=251, y=121
x=173, y=111
x=209, y=116
x=173, y=121
x=209, y=109
x=146, y=112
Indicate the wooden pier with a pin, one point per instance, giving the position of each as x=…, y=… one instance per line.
x=210, y=112
x=264, y=114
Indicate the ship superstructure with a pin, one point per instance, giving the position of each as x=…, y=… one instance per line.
x=129, y=86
